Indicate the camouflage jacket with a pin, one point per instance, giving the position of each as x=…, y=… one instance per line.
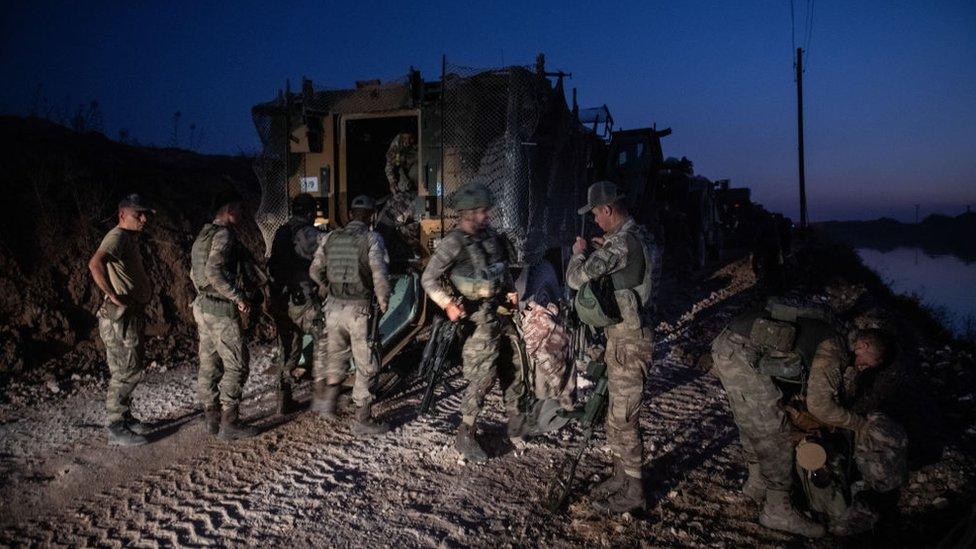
x=223, y=263
x=831, y=385
x=449, y=253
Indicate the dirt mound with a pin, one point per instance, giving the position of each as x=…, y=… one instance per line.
x=60, y=192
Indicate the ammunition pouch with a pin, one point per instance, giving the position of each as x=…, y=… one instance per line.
x=786, y=366
x=773, y=334
x=596, y=304
x=217, y=306
x=478, y=288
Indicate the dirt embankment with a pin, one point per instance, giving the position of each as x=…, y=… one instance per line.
x=60, y=190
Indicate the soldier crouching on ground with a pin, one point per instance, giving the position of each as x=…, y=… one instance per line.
x=850, y=506
x=218, y=273
x=118, y=271
x=352, y=263
x=475, y=260
x=294, y=301
x=624, y=258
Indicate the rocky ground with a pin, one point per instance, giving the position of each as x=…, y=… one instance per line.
x=305, y=481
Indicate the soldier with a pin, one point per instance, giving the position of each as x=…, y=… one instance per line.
x=217, y=271
x=623, y=257
x=880, y=444
x=401, y=163
x=351, y=262
x=119, y=273
x=475, y=258
x=778, y=346
x=295, y=303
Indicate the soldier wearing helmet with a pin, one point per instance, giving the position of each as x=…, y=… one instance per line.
x=352, y=265
x=294, y=303
x=467, y=276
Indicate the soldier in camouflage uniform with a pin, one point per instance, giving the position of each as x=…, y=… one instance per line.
x=352, y=263
x=294, y=302
x=217, y=271
x=118, y=271
x=759, y=353
x=473, y=259
x=401, y=163
x=626, y=255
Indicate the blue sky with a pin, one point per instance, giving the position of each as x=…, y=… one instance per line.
x=890, y=87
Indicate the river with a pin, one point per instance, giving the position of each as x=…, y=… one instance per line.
x=942, y=282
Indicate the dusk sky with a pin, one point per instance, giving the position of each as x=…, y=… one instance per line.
x=890, y=86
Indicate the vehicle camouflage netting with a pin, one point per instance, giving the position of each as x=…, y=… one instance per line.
x=507, y=128
x=511, y=130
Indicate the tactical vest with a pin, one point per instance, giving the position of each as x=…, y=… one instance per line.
x=632, y=288
x=787, y=341
x=481, y=271
x=347, y=267
x=213, y=302
x=289, y=271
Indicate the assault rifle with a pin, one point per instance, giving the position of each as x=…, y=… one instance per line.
x=589, y=416
x=434, y=364
x=373, y=338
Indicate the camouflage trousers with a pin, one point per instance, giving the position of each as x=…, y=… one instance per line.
x=763, y=427
x=124, y=353
x=488, y=353
x=347, y=323
x=224, y=358
x=628, y=357
x=292, y=323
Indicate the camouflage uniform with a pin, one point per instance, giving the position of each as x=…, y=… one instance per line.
x=401, y=165
x=122, y=330
x=352, y=263
x=224, y=359
x=630, y=342
x=295, y=303
x=470, y=256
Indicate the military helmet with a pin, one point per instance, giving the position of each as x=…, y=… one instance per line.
x=471, y=196
x=303, y=204
x=363, y=202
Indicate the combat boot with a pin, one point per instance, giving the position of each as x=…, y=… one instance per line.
x=467, y=446
x=754, y=487
x=612, y=485
x=325, y=399
x=363, y=424
x=120, y=435
x=231, y=427
x=628, y=497
x=211, y=418
x=779, y=514
x=136, y=426
x=286, y=403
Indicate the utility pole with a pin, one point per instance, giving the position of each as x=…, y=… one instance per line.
x=799, y=130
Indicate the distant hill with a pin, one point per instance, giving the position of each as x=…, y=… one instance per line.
x=936, y=234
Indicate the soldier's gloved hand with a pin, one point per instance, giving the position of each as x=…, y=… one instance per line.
x=579, y=246
x=454, y=311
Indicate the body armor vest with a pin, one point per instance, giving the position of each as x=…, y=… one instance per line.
x=632, y=288
x=481, y=271
x=347, y=268
x=289, y=271
x=215, y=302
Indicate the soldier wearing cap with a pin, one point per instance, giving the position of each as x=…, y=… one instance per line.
x=294, y=301
x=119, y=273
x=352, y=264
x=625, y=258
x=474, y=260
x=218, y=272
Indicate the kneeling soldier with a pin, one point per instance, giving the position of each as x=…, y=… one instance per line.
x=352, y=263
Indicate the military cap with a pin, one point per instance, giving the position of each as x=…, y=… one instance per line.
x=363, y=202
x=135, y=202
x=471, y=196
x=600, y=193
